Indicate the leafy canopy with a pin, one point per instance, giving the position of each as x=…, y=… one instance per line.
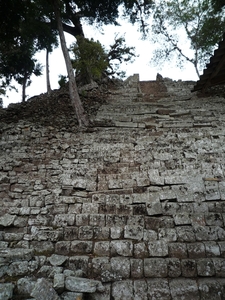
x=197, y=20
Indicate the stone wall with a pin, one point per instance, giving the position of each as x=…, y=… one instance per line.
x=131, y=208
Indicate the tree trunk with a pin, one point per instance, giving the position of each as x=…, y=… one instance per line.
x=24, y=88
x=47, y=73
x=74, y=96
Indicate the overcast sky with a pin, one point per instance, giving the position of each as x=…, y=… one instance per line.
x=144, y=49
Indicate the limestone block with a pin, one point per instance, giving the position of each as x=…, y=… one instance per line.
x=178, y=250
x=158, y=289
x=136, y=268
x=101, y=233
x=6, y=291
x=196, y=250
x=97, y=219
x=62, y=247
x=210, y=289
x=182, y=219
x=214, y=219
x=133, y=232
x=79, y=263
x=120, y=268
x=155, y=267
x=71, y=296
x=70, y=233
x=25, y=286
x=43, y=290
x=205, y=267
x=102, y=248
x=140, y=250
x=167, y=234
x=154, y=208
x=140, y=290
x=174, y=267
x=185, y=234
x=57, y=260
x=206, y=233
x=121, y=247
x=101, y=268
x=58, y=282
x=7, y=220
x=122, y=290
x=219, y=265
x=185, y=289
x=189, y=268
x=81, y=247
x=85, y=232
x=212, y=249
x=49, y=271
x=63, y=220
x=158, y=248
x=83, y=285
x=103, y=294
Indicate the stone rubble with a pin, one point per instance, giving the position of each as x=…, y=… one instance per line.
x=132, y=209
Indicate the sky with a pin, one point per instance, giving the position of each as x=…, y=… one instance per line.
x=141, y=65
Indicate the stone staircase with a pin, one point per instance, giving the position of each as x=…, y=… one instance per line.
x=132, y=209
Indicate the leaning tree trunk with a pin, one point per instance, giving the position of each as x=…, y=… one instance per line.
x=74, y=96
x=24, y=84
x=47, y=73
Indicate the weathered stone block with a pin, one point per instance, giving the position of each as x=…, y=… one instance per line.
x=101, y=295
x=63, y=220
x=212, y=249
x=101, y=269
x=122, y=290
x=205, y=267
x=189, y=268
x=81, y=247
x=97, y=220
x=174, y=267
x=120, y=268
x=80, y=263
x=70, y=233
x=154, y=208
x=102, y=248
x=214, y=219
x=167, y=234
x=25, y=286
x=83, y=285
x=43, y=290
x=196, y=250
x=140, y=250
x=62, y=247
x=140, y=290
x=6, y=291
x=182, y=219
x=185, y=289
x=121, y=247
x=57, y=260
x=155, y=267
x=178, y=250
x=136, y=268
x=219, y=265
x=133, y=232
x=58, y=282
x=85, y=232
x=209, y=289
x=100, y=233
x=71, y=296
x=185, y=234
x=158, y=289
x=158, y=248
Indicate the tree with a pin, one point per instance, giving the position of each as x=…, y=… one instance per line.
x=38, y=21
x=197, y=19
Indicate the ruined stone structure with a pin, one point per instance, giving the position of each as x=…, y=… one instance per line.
x=132, y=208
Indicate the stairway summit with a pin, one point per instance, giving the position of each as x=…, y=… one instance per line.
x=133, y=209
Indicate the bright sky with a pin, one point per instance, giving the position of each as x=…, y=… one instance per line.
x=144, y=49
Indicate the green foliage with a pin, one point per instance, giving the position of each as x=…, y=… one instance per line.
x=90, y=59
x=197, y=20
x=62, y=80
x=119, y=53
